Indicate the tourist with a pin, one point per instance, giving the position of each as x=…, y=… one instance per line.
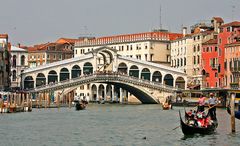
x=212, y=106
x=201, y=103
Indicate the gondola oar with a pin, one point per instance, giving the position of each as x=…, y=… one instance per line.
x=211, y=107
x=176, y=127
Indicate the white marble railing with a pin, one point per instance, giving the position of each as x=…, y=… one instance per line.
x=58, y=63
x=110, y=77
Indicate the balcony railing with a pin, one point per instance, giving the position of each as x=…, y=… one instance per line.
x=234, y=85
x=235, y=69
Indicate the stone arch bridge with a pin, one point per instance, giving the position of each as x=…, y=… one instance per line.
x=145, y=80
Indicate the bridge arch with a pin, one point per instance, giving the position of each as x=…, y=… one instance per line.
x=64, y=74
x=101, y=92
x=168, y=79
x=109, y=92
x=40, y=80
x=87, y=68
x=157, y=76
x=180, y=83
x=76, y=71
x=52, y=77
x=28, y=82
x=94, y=92
x=146, y=74
x=122, y=68
x=134, y=71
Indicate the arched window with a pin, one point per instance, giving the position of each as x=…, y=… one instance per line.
x=14, y=62
x=14, y=75
x=22, y=60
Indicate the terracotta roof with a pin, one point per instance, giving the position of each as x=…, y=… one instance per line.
x=3, y=35
x=158, y=35
x=66, y=40
x=234, y=23
x=211, y=41
x=218, y=19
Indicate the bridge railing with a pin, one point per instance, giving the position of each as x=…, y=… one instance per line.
x=106, y=76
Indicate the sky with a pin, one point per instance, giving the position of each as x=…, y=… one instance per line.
x=30, y=22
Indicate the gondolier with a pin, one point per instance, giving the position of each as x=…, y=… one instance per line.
x=212, y=105
x=201, y=103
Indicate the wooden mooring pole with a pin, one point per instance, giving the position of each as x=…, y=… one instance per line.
x=233, y=95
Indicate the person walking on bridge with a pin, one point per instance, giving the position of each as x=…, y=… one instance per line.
x=212, y=105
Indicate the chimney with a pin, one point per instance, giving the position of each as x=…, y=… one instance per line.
x=184, y=31
x=19, y=45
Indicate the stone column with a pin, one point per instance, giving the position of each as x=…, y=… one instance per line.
x=121, y=95
x=105, y=94
x=97, y=98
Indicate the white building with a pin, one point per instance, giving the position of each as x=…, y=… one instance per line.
x=19, y=62
x=149, y=46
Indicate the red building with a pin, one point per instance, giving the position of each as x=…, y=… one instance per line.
x=224, y=37
x=210, y=64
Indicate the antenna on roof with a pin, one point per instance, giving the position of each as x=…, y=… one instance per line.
x=233, y=10
x=160, y=17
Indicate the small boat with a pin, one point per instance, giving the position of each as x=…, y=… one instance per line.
x=188, y=129
x=166, y=106
x=237, y=113
x=80, y=105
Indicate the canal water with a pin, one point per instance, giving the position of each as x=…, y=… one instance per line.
x=107, y=125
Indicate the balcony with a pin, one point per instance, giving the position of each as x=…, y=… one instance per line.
x=235, y=69
x=234, y=85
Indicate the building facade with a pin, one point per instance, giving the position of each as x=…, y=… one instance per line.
x=50, y=52
x=5, y=56
x=191, y=60
x=210, y=64
x=149, y=46
x=225, y=36
x=19, y=62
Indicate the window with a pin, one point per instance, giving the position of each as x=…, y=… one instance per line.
x=228, y=29
x=22, y=60
x=48, y=56
x=146, y=57
x=216, y=48
x=194, y=59
x=220, y=41
x=14, y=61
x=198, y=48
x=194, y=48
x=82, y=87
x=168, y=47
x=14, y=75
x=151, y=57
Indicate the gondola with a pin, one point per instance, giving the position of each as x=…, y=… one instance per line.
x=80, y=105
x=237, y=113
x=166, y=106
x=191, y=129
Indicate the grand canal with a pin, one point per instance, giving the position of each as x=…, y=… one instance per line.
x=107, y=125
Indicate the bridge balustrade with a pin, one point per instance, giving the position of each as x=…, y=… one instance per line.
x=105, y=76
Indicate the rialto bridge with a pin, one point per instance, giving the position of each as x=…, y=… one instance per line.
x=103, y=74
